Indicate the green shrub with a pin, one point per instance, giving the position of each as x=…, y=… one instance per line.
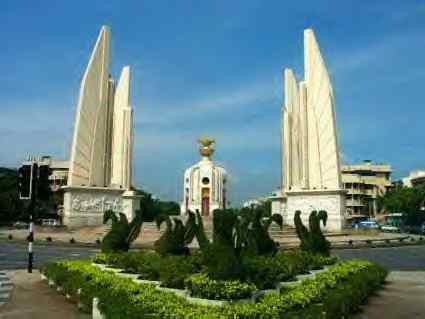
x=122, y=232
x=171, y=270
x=352, y=281
x=331, y=294
x=177, y=235
x=266, y=271
x=201, y=286
x=312, y=239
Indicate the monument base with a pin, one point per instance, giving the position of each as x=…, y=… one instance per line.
x=332, y=201
x=84, y=206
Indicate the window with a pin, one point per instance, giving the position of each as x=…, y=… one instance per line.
x=205, y=180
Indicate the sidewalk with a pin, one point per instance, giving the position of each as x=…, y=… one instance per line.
x=402, y=297
x=33, y=299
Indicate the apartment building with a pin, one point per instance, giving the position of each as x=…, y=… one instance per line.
x=364, y=183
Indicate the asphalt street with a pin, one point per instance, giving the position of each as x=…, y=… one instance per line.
x=14, y=255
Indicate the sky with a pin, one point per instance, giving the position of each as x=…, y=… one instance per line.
x=215, y=68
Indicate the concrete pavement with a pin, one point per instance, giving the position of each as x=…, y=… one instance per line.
x=402, y=297
x=33, y=299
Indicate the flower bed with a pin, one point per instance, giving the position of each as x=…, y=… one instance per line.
x=330, y=294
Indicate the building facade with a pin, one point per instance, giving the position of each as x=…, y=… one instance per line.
x=415, y=179
x=59, y=170
x=205, y=183
x=364, y=183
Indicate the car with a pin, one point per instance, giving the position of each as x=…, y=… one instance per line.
x=369, y=224
x=50, y=222
x=21, y=225
x=390, y=228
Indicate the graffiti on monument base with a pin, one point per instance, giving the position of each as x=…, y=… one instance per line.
x=84, y=204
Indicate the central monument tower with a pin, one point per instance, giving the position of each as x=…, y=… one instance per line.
x=205, y=184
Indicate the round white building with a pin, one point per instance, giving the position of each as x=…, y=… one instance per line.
x=205, y=184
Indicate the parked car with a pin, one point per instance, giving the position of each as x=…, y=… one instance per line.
x=21, y=225
x=50, y=222
x=390, y=228
x=369, y=224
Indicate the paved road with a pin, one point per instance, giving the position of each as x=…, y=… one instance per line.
x=14, y=255
x=407, y=258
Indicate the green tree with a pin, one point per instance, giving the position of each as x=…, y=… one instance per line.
x=11, y=207
x=153, y=207
x=405, y=200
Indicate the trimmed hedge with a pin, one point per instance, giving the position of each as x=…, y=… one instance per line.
x=201, y=286
x=171, y=270
x=331, y=294
x=263, y=271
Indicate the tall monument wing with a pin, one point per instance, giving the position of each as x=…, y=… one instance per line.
x=324, y=162
x=89, y=156
x=310, y=161
x=122, y=137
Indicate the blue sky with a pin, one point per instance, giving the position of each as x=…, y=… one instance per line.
x=215, y=68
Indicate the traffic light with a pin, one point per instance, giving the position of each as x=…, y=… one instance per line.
x=24, y=181
x=43, y=189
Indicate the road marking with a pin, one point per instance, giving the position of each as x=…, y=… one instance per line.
x=75, y=254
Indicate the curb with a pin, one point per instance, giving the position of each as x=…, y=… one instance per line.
x=357, y=244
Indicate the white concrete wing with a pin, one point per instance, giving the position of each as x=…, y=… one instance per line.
x=324, y=163
x=122, y=136
x=89, y=151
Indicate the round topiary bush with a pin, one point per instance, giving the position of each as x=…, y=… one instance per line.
x=72, y=241
x=10, y=237
x=49, y=239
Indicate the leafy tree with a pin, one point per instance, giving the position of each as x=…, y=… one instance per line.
x=405, y=200
x=153, y=208
x=122, y=233
x=11, y=207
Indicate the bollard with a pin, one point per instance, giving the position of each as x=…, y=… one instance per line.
x=96, y=314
